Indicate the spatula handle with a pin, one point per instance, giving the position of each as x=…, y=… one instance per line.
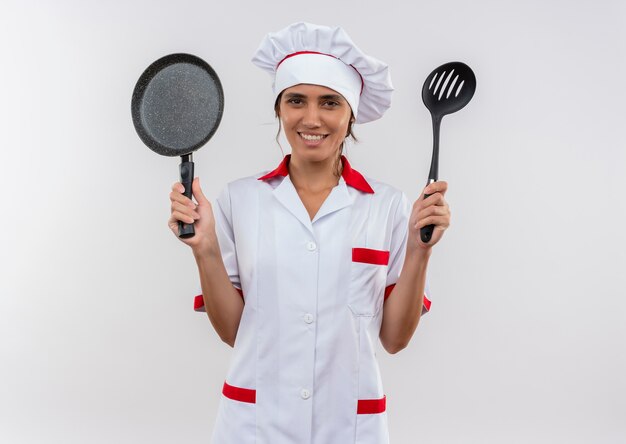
x=186, y=230
x=426, y=232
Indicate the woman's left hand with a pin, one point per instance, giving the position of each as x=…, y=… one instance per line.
x=432, y=210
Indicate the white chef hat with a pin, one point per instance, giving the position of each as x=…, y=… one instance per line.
x=321, y=55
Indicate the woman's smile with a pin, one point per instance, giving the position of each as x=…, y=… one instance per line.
x=312, y=139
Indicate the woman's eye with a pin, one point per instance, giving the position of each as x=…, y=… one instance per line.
x=295, y=101
x=331, y=103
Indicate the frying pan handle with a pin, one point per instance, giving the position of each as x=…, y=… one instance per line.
x=186, y=230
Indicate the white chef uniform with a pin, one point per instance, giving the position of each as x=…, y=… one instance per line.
x=304, y=368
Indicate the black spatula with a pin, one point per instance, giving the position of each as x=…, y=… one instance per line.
x=446, y=90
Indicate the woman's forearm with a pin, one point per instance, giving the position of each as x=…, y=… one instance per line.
x=403, y=307
x=222, y=302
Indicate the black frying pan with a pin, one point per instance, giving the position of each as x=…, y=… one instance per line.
x=177, y=106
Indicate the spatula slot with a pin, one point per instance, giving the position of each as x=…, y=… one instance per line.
x=438, y=83
x=443, y=87
x=433, y=80
x=452, y=86
x=459, y=89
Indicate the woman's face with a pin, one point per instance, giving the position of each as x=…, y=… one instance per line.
x=315, y=120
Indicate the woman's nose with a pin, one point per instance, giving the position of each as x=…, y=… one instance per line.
x=311, y=117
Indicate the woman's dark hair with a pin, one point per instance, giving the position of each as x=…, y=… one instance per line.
x=338, y=166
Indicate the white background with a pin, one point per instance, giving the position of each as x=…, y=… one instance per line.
x=526, y=340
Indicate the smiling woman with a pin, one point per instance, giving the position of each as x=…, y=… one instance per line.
x=318, y=112
x=304, y=267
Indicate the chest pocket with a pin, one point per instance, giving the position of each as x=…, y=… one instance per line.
x=368, y=274
x=370, y=237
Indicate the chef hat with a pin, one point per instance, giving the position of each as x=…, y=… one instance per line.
x=321, y=55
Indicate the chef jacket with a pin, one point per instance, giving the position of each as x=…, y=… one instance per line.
x=304, y=366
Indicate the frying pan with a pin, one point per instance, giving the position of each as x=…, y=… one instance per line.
x=446, y=90
x=177, y=105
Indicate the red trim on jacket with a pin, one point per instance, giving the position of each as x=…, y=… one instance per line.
x=350, y=175
x=198, y=301
x=370, y=256
x=426, y=303
x=364, y=406
x=369, y=406
x=389, y=289
x=238, y=393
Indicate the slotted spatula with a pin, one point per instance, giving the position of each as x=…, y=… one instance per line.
x=446, y=90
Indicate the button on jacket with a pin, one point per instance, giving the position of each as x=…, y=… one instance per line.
x=304, y=368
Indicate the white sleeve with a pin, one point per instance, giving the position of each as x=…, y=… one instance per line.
x=226, y=239
x=397, y=249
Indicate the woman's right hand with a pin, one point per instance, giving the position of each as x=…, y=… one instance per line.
x=200, y=214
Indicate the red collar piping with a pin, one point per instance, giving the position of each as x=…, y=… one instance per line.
x=350, y=175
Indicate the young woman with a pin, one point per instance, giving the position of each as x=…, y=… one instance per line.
x=304, y=267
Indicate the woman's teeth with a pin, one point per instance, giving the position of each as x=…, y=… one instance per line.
x=312, y=137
